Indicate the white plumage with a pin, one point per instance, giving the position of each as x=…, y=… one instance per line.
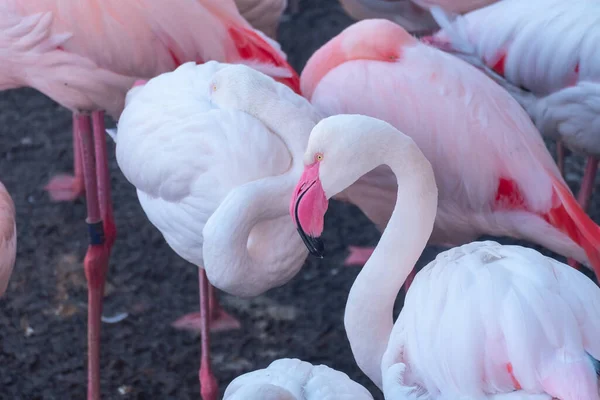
x=292, y=379
x=478, y=308
x=190, y=159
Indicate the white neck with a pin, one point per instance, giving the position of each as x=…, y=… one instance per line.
x=250, y=243
x=369, y=309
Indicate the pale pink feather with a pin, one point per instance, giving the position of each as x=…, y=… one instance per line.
x=86, y=55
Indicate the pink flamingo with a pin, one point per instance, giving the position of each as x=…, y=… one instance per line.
x=481, y=321
x=85, y=56
x=493, y=170
x=412, y=15
x=8, y=238
x=543, y=52
x=263, y=15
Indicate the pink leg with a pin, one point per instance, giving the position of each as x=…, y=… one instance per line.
x=208, y=383
x=96, y=259
x=220, y=321
x=358, y=255
x=560, y=156
x=587, y=184
x=110, y=229
x=65, y=187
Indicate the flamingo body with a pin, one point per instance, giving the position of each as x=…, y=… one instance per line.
x=501, y=318
x=292, y=379
x=87, y=55
x=8, y=238
x=494, y=173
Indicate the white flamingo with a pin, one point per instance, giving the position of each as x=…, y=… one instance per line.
x=545, y=53
x=292, y=379
x=481, y=321
x=216, y=182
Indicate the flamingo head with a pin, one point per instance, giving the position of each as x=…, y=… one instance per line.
x=334, y=159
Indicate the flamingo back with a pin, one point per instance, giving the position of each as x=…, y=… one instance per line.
x=86, y=55
x=184, y=155
x=8, y=238
x=302, y=380
x=485, y=318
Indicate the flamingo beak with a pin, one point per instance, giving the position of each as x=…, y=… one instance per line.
x=307, y=209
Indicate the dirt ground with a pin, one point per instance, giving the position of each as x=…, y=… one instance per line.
x=43, y=315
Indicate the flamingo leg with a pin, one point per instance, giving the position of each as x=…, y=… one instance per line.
x=220, y=320
x=65, y=187
x=208, y=382
x=96, y=258
x=560, y=157
x=587, y=184
x=104, y=192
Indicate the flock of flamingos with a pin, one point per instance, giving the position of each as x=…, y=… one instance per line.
x=429, y=115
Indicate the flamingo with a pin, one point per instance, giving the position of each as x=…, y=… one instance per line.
x=264, y=15
x=293, y=379
x=493, y=170
x=86, y=55
x=481, y=321
x=8, y=238
x=544, y=53
x=216, y=181
x=412, y=15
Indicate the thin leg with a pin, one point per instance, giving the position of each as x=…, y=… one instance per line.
x=96, y=259
x=220, y=320
x=208, y=383
x=64, y=187
x=587, y=184
x=560, y=157
x=104, y=196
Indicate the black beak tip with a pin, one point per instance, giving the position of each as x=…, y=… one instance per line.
x=318, y=249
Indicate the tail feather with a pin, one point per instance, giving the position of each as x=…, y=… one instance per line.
x=570, y=219
x=255, y=50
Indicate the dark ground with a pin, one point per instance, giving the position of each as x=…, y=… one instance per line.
x=43, y=315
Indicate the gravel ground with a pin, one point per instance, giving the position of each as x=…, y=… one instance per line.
x=43, y=315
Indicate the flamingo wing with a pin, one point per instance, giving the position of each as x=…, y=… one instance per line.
x=485, y=318
x=184, y=155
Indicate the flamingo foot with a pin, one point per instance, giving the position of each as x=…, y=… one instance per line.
x=358, y=255
x=65, y=187
x=221, y=322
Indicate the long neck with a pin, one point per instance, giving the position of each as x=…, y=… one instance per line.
x=250, y=243
x=369, y=309
x=292, y=118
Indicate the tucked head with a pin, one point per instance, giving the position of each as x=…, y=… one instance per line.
x=335, y=158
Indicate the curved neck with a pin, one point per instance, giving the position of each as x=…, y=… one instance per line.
x=369, y=310
x=250, y=243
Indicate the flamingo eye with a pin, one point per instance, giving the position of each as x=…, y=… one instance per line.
x=319, y=157
x=214, y=87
